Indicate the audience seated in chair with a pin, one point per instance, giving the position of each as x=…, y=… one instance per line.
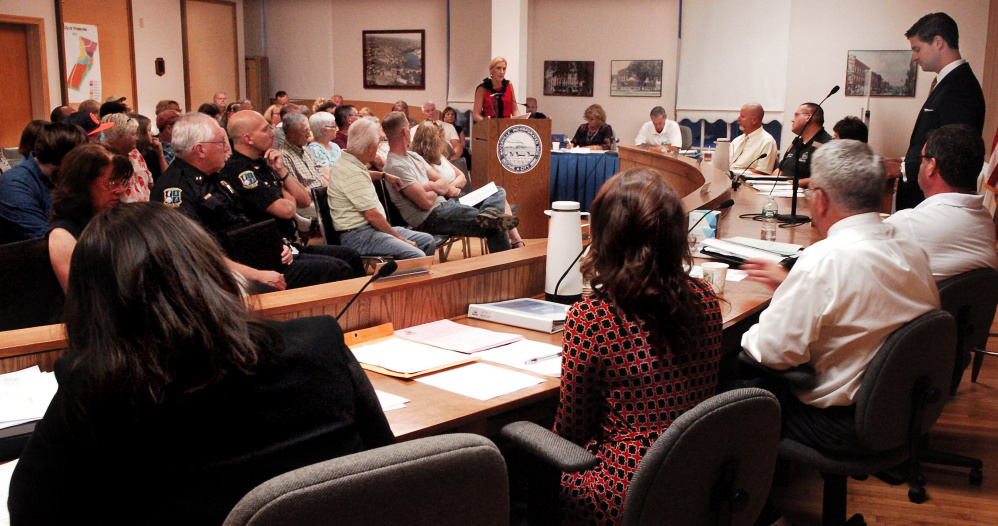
x=170, y=408
x=428, y=203
x=25, y=195
x=357, y=214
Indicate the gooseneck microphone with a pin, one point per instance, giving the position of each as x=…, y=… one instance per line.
x=722, y=206
x=386, y=270
x=735, y=183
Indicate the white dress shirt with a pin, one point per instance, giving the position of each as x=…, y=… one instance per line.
x=954, y=229
x=747, y=147
x=839, y=303
x=670, y=134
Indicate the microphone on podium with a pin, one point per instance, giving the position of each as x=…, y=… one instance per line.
x=726, y=204
x=386, y=270
x=735, y=183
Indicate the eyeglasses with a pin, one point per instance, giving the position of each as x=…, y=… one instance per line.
x=798, y=114
x=808, y=192
x=223, y=141
x=116, y=184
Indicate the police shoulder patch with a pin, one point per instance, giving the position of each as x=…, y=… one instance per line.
x=172, y=197
x=248, y=179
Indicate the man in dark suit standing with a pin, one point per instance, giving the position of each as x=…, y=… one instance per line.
x=954, y=98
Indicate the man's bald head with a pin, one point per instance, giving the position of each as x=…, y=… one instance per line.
x=250, y=133
x=242, y=122
x=750, y=117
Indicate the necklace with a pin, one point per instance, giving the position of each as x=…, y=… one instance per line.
x=590, y=135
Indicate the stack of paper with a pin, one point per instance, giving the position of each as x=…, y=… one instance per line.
x=24, y=396
x=404, y=359
x=473, y=198
x=456, y=337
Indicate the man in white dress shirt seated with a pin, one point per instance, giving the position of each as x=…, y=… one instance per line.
x=951, y=224
x=841, y=300
x=747, y=148
x=660, y=134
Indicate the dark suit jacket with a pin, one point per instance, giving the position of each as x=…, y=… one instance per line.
x=957, y=99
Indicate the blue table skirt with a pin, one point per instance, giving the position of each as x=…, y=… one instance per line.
x=579, y=176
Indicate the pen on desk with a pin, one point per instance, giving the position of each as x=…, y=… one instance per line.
x=541, y=358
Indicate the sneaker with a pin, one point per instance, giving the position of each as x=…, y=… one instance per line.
x=494, y=219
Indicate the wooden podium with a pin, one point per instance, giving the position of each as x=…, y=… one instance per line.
x=529, y=188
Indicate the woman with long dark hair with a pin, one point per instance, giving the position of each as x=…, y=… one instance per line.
x=642, y=350
x=173, y=400
x=92, y=178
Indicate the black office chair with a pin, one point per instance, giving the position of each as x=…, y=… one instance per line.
x=971, y=298
x=687, y=134
x=713, y=465
x=321, y=203
x=902, y=394
x=258, y=246
x=31, y=294
x=446, y=479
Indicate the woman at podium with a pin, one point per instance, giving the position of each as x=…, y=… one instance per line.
x=595, y=133
x=494, y=96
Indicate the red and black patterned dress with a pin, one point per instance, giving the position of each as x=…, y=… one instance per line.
x=618, y=395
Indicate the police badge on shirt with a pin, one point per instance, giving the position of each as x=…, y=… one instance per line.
x=248, y=179
x=172, y=197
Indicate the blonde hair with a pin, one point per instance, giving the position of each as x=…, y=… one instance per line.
x=365, y=112
x=428, y=141
x=123, y=124
x=595, y=111
x=496, y=61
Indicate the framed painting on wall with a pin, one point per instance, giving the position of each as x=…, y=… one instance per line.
x=395, y=59
x=569, y=78
x=890, y=73
x=636, y=78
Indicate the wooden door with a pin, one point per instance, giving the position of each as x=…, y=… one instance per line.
x=14, y=90
x=211, y=57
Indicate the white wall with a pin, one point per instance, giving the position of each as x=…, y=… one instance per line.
x=822, y=32
x=45, y=11
x=584, y=30
x=301, y=32
x=157, y=31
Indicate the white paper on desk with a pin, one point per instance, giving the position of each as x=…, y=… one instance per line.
x=733, y=274
x=786, y=249
x=743, y=251
x=402, y=356
x=480, y=381
x=456, y=337
x=25, y=395
x=781, y=190
x=517, y=354
x=6, y=470
x=389, y=401
x=473, y=198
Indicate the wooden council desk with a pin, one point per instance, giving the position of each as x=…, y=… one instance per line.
x=447, y=292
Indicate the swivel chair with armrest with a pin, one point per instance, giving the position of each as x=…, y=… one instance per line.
x=713, y=465
x=902, y=394
x=447, y=479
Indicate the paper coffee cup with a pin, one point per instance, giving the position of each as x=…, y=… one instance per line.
x=715, y=273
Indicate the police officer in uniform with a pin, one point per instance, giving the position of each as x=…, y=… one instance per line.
x=193, y=185
x=268, y=191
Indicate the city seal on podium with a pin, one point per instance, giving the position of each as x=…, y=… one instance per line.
x=519, y=148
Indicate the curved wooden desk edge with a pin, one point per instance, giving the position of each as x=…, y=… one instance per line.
x=685, y=175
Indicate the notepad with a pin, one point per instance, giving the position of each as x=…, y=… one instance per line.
x=480, y=381
x=404, y=359
x=519, y=353
x=446, y=334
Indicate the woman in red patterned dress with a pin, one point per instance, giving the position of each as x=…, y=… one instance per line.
x=642, y=350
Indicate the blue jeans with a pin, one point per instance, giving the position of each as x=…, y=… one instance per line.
x=452, y=218
x=369, y=241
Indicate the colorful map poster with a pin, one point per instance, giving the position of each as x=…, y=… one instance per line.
x=82, y=62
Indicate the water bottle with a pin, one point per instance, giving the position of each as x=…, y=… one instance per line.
x=769, y=211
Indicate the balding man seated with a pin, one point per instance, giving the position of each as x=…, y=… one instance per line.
x=842, y=298
x=268, y=191
x=429, y=202
x=951, y=224
x=747, y=149
x=357, y=213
